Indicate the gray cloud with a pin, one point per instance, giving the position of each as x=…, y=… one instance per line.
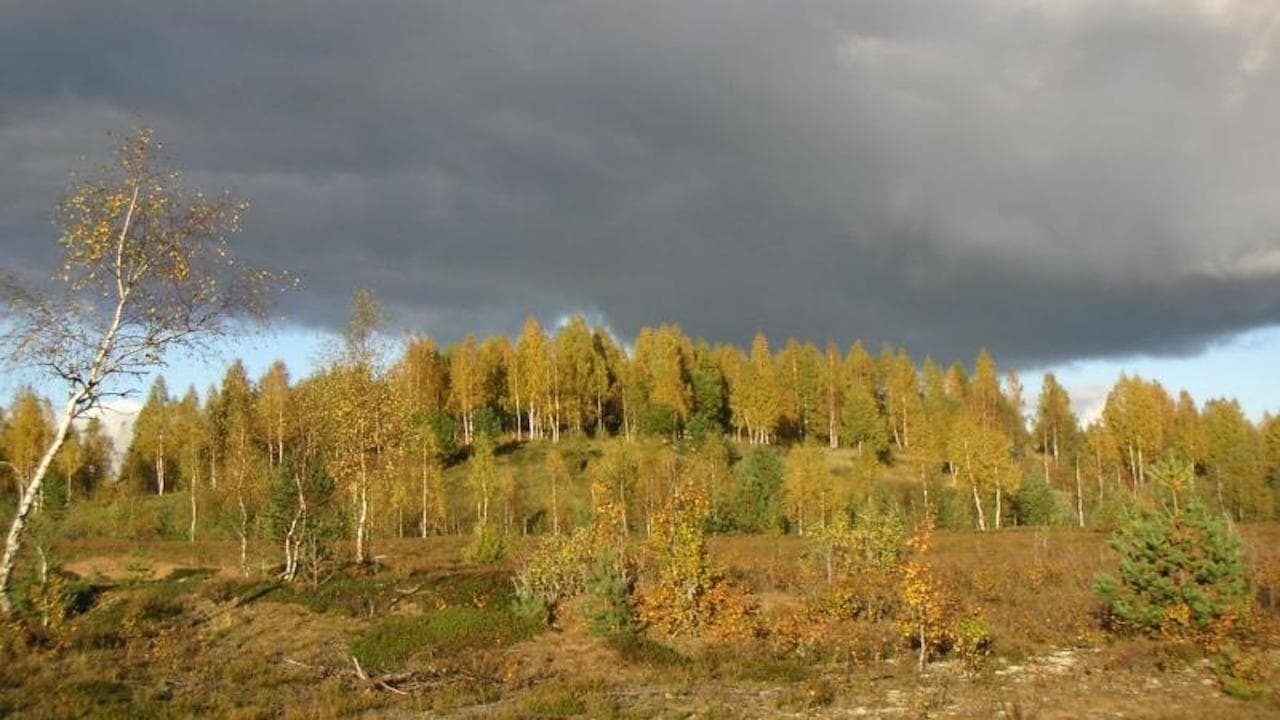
x=1053, y=181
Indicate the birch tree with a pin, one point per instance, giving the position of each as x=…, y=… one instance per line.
x=145, y=270
x=353, y=401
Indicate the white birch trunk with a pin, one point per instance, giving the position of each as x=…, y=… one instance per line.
x=977, y=504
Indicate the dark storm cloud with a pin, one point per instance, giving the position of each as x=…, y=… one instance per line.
x=1052, y=181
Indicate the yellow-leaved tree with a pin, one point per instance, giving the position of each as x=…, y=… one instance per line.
x=145, y=269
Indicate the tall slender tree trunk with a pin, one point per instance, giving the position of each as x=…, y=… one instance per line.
x=977, y=504
x=515, y=390
x=1133, y=467
x=244, y=533
x=626, y=419
x=195, y=480
x=362, y=510
x=1079, y=496
x=13, y=542
x=999, y=506
x=292, y=543
x=599, y=414
x=425, y=481
x=160, y=466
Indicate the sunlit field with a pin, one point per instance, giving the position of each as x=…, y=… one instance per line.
x=150, y=627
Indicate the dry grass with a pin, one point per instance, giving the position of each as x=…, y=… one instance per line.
x=162, y=641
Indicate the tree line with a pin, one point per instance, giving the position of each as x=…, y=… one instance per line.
x=371, y=434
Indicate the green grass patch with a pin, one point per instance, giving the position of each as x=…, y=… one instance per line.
x=490, y=589
x=389, y=643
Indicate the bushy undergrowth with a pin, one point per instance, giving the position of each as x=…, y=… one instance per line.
x=389, y=643
x=611, y=585
x=487, y=546
x=690, y=594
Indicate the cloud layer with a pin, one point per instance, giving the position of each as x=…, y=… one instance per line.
x=1050, y=180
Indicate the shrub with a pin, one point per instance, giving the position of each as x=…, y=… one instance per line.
x=389, y=644
x=439, y=429
x=486, y=547
x=554, y=572
x=1180, y=573
x=611, y=584
x=659, y=420
x=873, y=543
x=1036, y=503
x=690, y=594
x=757, y=504
x=559, y=568
x=487, y=422
x=935, y=620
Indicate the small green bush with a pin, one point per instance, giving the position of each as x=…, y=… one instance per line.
x=610, y=608
x=486, y=547
x=1180, y=573
x=389, y=644
x=1036, y=503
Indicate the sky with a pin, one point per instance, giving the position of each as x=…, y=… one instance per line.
x=1084, y=187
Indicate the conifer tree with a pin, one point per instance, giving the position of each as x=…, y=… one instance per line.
x=758, y=495
x=708, y=392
